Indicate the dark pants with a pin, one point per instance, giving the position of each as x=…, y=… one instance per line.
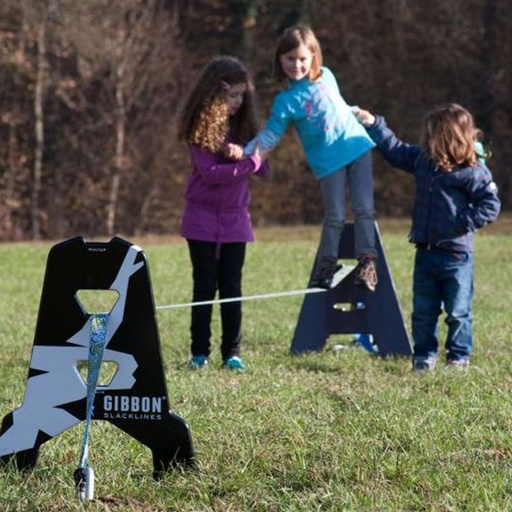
x=216, y=268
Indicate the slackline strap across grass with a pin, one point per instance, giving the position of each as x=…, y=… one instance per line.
x=339, y=276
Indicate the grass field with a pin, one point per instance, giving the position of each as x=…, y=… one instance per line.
x=331, y=431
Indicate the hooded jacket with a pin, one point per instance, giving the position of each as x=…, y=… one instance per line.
x=448, y=206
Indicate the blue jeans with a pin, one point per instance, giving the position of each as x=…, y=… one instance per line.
x=359, y=177
x=442, y=279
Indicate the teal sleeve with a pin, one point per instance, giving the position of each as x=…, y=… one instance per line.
x=266, y=141
x=270, y=136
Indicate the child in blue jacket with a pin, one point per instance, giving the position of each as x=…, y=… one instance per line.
x=455, y=196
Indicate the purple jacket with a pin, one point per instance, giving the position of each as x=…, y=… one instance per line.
x=217, y=207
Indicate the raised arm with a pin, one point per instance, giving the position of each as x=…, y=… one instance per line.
x=397, y=153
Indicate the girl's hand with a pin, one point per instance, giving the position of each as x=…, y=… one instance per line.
x=365, y=117
x=234, y=151
x=262, y=154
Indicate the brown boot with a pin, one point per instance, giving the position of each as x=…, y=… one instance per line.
x=366, y=272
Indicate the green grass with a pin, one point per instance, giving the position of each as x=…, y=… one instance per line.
x=331, y=431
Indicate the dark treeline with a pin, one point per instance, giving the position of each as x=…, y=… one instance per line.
x=89, y=93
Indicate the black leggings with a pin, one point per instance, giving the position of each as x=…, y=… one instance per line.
x=216, y=267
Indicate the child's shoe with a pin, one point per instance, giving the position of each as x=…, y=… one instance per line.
x=198, y=363
x=234, y=363
x=423, y=364
x=365, y=341
x=324, y=273
x=366, y=273
x=457, y=364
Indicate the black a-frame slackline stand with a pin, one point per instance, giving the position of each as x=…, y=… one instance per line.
x=348, y=309
x=135, y=400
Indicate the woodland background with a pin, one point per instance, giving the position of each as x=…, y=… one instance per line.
x=89, y=92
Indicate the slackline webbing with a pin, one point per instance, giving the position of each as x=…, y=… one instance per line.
x=240, y=299
x=339, y=276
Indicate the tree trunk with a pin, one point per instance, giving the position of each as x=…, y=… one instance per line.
x=119, y=156
x=39, y=131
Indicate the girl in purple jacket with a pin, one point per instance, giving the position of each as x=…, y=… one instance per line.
x=218, y=115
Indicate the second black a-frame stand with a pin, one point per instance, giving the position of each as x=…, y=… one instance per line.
x=348, y=309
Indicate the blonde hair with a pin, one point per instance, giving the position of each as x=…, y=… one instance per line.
x=204, y=119
x=290, y=40
x=449, y=136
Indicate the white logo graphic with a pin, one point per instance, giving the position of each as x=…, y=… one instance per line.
x=63, y=383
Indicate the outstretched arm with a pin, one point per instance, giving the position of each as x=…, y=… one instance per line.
x=266, y=141
x=275, y=128
x=397, y=153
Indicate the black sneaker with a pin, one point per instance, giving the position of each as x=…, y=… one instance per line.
x=324, y=273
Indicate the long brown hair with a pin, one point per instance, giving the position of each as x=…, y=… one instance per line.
x=204, y=118
x=449, y=136
x=291, y=39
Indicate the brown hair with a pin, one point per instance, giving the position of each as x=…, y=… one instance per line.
x=204, y=119
x=449, y=136
x=291, y=39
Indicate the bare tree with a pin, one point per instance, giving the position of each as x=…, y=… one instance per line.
x=39, y=125
x=91, y=88
x=33, y=23
x=123, y=47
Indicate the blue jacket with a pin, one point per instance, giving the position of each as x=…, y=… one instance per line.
x=449, y=206
x=328, y=131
